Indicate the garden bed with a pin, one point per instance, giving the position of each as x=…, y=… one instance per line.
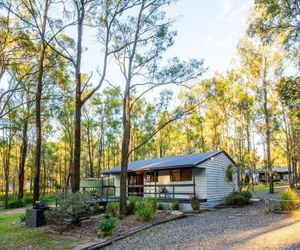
x=128, y=226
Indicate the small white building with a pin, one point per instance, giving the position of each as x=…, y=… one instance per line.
x=210, y=175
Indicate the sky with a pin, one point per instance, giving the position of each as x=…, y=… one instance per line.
x=208, y=29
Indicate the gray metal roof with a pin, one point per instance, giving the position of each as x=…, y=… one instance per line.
x=183, y=161
x=275, y=169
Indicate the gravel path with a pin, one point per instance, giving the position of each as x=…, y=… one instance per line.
x=240, y=228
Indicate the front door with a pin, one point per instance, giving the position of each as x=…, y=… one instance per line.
x=136, y=182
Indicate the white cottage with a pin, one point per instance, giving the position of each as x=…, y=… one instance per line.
x=210, y=175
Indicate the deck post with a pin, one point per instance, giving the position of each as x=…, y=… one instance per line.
x=194, y=183
x=173, y=192
x=155, y=176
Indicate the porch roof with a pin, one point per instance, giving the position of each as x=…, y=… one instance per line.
x=183, y=161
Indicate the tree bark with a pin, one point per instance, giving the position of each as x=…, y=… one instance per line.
x=78, y=104
x=38, y=125
x=268, y=136
x=125, y=151
x=23, y=159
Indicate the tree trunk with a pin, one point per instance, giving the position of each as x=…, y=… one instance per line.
x=78, y=105
x=6, y=174
x=268, y=136
x=38, y=125
x=91, y=166
x=23, y=159
x=125, y=152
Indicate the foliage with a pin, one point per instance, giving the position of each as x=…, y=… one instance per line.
x=144, y=212
x=112, y=208
x=146, y=209
x=289, y=200
x=237, y=198
x=133, y=204
x=71, y=208
x=247, y=194
x=160, y=206
x=175, y=205
x=22, y=218
x=121, y=216
x=195, y=202
x=107, y=227
x=17, y=203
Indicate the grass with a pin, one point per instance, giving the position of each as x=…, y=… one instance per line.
x=15, y=235
x=262, y=187
x=27, y=200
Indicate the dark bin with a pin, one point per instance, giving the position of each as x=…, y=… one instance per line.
x=35, y=216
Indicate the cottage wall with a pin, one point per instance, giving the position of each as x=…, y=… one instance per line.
x=217, y=186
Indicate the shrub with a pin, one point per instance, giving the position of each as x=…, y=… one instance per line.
x=247, y=195
x=133, y=203
x=105, y=216
x=107, y=227
x=160, y=206
x=144, y=213
x=121, y=216
x=27, y=200
x=235, y=198
x=175, y=205
x=71, y=209
x=195, y=202
x=289, y=200
x=22, y=218
x=112, y=208
x=17, y=203
x=146, y=209
x=151, y=202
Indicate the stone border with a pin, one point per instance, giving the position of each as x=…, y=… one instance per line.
x=126, y=234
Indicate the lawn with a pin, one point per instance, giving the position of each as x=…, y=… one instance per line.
x=262, y=187
x=15, y=235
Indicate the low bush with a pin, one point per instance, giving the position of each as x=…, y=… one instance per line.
x=144, y=213
x=289, y=200
x=22, y=218
x=121, y=216
x=151, y=202
x=146, y=209
x=71, y=209
x=112, y=208
x=160, y=206
x=105, y=216
x=16, y=203
x=235, y=198
x=247, y=195
x=27, y=200
x=107, y=227
x=175, y=205
x=195, y=202
x=133, y=204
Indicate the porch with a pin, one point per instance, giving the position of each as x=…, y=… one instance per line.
x=164, y=185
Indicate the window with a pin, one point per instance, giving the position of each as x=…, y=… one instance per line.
x=181, y=174
x=229, y=173
x=150, y=177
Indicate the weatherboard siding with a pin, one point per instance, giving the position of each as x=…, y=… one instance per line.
x=216, y=184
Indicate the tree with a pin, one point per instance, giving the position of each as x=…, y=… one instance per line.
x=273, y=19
x=145, y=37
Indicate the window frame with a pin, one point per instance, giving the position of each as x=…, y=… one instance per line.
x=190, y=175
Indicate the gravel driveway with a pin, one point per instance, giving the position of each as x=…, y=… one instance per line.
x=239, y=228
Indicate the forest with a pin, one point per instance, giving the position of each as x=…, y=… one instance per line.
x=61, y=121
